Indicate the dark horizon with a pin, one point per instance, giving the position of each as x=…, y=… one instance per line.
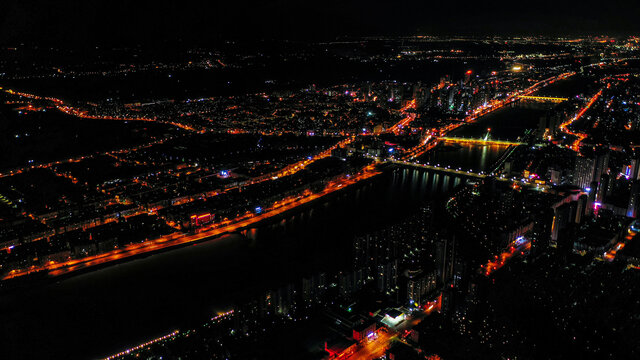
x=197, y=22
x=319, y=180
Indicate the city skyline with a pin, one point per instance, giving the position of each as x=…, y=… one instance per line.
x=110, y=23
x=319, y=181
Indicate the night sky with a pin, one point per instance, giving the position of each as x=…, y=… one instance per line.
x=119, y=21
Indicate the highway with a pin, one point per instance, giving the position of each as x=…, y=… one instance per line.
x=243, y=221
x=83, y=114
x=83, y=157
x=516, y=248
x=632, y=232
x=384, y=338
x=373, y=349
x=176, y=239
x=408, y=118
x=480, y=141
x=543, y=98
x=580, y=136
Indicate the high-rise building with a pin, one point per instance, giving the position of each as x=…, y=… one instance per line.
x=602, y=166
x=591, y=199
x=314, y=288
x=447, y=301
x=603, y=186
x=581, y=209
x=583, y=172
x=634, y=169
x=548, y=125
x=611, y=184
x=349, y=282
x=445, y=254
x=443, y=81
x=307, y=290
x=416, y=286
x=284, y=300
x=633, y=210
x=467, y=77
x=555, y=176
x=560, y=221
x=387, y=277
x=506, y=169
x=346, y=286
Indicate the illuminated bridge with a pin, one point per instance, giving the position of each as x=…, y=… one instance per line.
x=460, y=173
x=481, y=141
x=436, y=168
x=543, y=98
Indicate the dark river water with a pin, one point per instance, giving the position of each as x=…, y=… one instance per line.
x=102, y=312
x=507, y=123
x=464, y=156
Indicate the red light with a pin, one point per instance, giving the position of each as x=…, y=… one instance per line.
x=469, y=72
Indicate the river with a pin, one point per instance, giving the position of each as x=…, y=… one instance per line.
x=101, y=312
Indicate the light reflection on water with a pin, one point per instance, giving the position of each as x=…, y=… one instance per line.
x=465, y=156
x=147, y=297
